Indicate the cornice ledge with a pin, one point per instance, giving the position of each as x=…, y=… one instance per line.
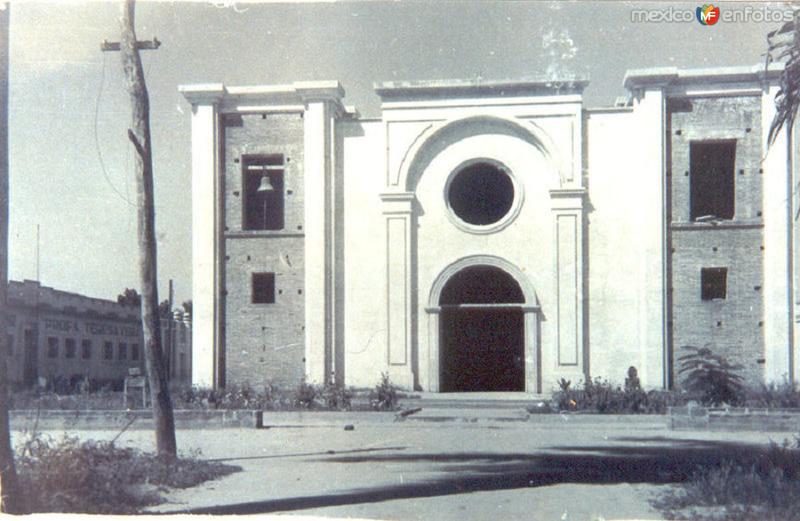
x=203, y=93
x=568, y=192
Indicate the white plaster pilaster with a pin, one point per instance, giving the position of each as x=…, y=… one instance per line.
x=205, y=224
x=567, y=208
x=398, y=214
x=778, y=220
x=318, y=286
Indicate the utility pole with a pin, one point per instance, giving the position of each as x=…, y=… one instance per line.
x=170, y=347
x=10, y=500
x=139, y=135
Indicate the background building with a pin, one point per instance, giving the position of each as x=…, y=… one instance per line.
x=59, y=339
x=491, y=236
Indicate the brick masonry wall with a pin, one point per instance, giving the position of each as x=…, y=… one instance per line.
x=732, y=327
x=264, y=343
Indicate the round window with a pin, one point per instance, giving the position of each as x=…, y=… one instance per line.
x=481, y=193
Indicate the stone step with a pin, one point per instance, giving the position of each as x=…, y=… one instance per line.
x=477, y=401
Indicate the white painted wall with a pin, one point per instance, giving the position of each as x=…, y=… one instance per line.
x=364, y=253
x=624, y=261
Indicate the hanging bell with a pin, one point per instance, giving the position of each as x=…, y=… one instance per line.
x=265, y=186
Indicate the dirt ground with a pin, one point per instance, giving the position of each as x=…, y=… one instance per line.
x=446, y=471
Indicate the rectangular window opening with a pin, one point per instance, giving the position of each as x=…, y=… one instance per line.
x=262, y=183
x=263, y=288
x=108, y=351
x=69, y=348
x=122, y=351
x=714, y=283
x=712, y=180
x=86, y=350
x=52, y=347
x=134, y=351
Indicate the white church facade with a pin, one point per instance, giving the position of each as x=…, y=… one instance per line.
x=490, y=236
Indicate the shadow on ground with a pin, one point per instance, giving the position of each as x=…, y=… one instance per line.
x=624, y=460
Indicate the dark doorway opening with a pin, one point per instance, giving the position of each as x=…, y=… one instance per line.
x=482, y=344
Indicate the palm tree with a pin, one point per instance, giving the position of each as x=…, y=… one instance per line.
x=784, y=46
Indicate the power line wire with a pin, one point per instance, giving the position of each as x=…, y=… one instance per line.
x=97, y=138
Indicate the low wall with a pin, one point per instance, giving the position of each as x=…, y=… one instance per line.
x=733, y=419
x=113, y=420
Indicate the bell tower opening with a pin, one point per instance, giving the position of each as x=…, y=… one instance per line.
x=482, y=332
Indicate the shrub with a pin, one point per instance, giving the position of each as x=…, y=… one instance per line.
x=336, y=397
x=762, y=485
x=774, y=396
x=602, y=397
x=385, y=396
x=566, y=399
x=711, y=377
x=306, y=395
x=33, y=399
x=233, y=397
x=99, y=478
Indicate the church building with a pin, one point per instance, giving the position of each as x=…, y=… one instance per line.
x=487, y=236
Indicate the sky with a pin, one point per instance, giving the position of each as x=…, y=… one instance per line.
x=72, y=165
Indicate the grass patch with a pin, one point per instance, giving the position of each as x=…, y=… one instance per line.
x=763, y=486
x=91, y=477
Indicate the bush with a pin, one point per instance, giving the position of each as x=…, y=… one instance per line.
x=762, y=486
x=772, y=396
x=243, y=396
x=99, y=478
x=710, y=377
x=306, y=395
x=33, y=399
x=385, y=396
x=602, y=397
x=336, y=397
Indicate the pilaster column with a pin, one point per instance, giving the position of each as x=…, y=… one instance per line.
x=434, y=316
x=400, y=315
x=322, y=106
x=567, y=208
x=533, y=382
x=205, y=233
x=778, y=222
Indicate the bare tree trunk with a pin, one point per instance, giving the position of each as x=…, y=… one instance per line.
x=10, y=501
x=139, y=134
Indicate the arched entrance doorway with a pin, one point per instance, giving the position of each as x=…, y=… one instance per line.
x=482, y=332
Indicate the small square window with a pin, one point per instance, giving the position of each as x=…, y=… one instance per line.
x=713, y=282
x=122, y=351
x=52, y=347
x=263, y=288
x=108, y=351
x=69, y=348
x=86, y=349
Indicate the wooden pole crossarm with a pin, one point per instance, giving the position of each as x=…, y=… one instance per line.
x=145, y=45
